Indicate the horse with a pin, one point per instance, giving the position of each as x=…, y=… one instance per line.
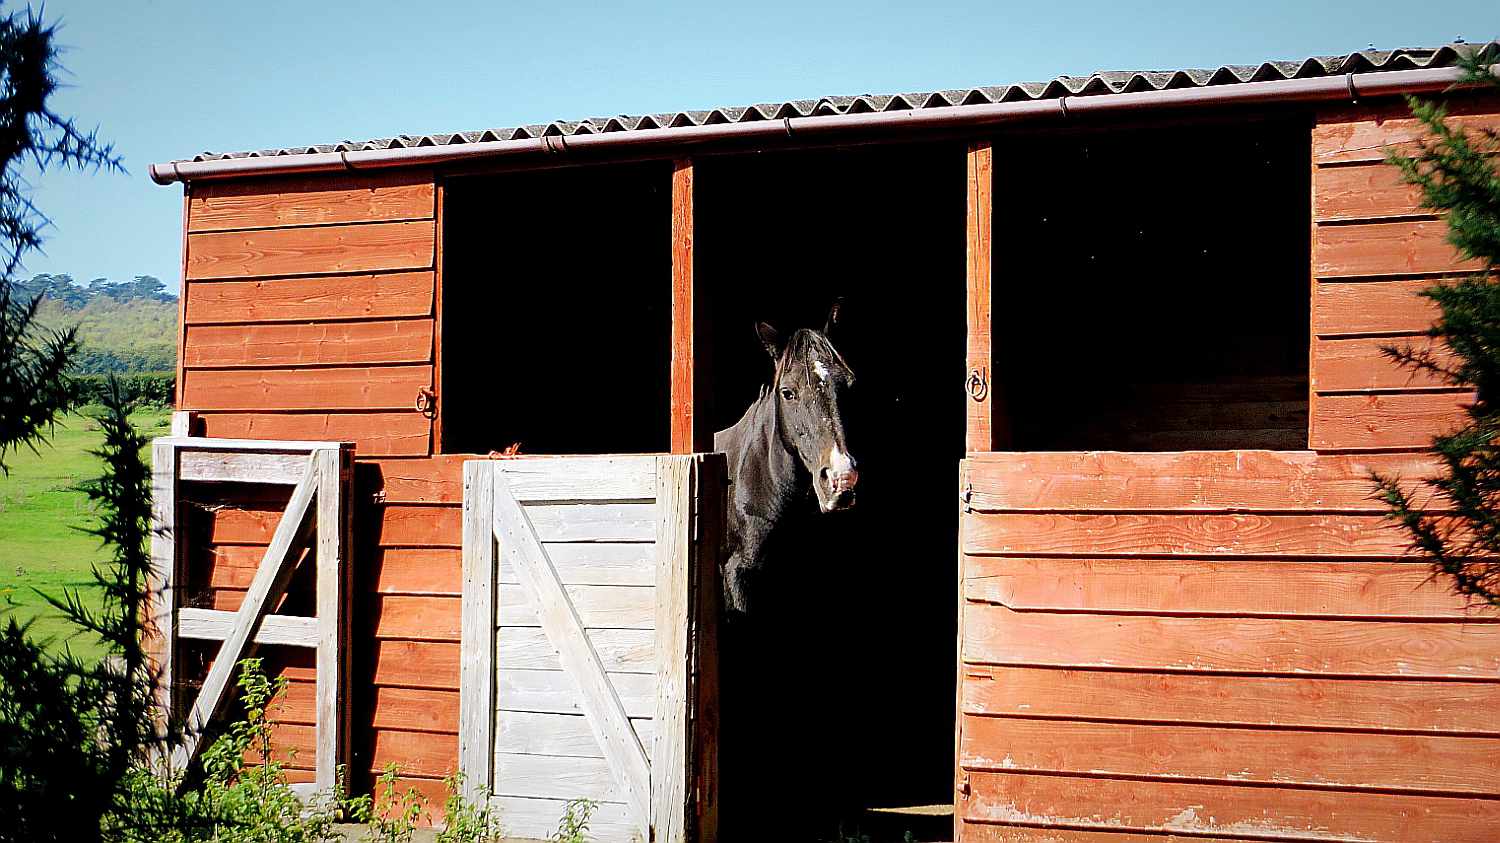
x=790, y=440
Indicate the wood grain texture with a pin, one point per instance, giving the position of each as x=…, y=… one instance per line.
x=1347, y=589
x=1193, y=535
x=1385, y=248
x=476, y=741
x=521, y=546
x=535, y=818
x=1452, y=765
x=1395, y=420
x=554, y=691
x=415, y=570
x=1365, y=133
x=419, y=526
x=599, y=606
x=995, y=635
x=1357, y=363
x=414, y=664
x=980, y=434
x=304, y=344
x=1207, y=481
x=405, y=433
x=342, y=388
x=1124, y=806
x=1372, y=307
x=374, y=296
x=273, y=252
x=620, y=650
x=671, y=749
x=412, y=617
x=1366, y=192
x=438, y=479
x=1207, y=699
x=690, y=387
x=283, y=201
x=565, y=735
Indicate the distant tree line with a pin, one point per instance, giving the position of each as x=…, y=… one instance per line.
x=124, y=327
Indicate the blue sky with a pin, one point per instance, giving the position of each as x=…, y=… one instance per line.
x=165, y=79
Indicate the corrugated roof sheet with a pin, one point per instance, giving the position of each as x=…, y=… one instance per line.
x=1095, y=84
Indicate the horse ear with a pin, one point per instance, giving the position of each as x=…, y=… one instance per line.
x=833, y=316
x=769, y=338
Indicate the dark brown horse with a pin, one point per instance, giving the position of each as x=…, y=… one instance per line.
x=789, y=442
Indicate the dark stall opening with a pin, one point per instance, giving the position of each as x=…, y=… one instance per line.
x=1151, y=288
x=557, y=311
x=838, y=691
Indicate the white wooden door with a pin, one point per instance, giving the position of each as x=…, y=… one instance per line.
x=588, y=670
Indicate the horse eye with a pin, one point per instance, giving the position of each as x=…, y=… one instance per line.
x=789, y=393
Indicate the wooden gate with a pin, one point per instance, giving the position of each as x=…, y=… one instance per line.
x=316, y=517
x=588, y=651
x=1224, y=644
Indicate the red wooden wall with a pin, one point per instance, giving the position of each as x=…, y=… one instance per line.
x=1230, y=644
x=309, y=311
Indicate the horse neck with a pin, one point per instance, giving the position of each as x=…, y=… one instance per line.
x=758, y=455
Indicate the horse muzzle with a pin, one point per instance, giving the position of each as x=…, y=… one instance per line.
x=838, y=483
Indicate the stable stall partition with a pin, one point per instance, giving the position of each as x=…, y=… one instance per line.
x=1181, y=611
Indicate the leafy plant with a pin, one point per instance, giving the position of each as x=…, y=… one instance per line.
x=1457, y=173
x=573, y=827
x=464, y=821
x=392, y=816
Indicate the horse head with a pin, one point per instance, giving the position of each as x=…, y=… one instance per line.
x=811, y=387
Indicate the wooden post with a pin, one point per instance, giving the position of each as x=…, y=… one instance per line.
x=691, y=393
x=332, y=600
x=162, y=598
x=674, y=549
x=476, y=704
x=979, y=383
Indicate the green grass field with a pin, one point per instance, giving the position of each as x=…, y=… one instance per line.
x=41, y=510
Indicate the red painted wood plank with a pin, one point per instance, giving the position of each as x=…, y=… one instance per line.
x=1369, y=307
x=998, y=636
x=1301, y=702
x=1364, y=192
x=1239, y=587
x=1396, y=420
x=272, y=252
x=420, y=526
x=1191, y=535
x=342, y=388
x=1124, y=806
x=1357, y=363
x=1386, y=248
x=283, y=201
x=1364, y=133
x=1205, y=481
x=327, y=343
x=1467, y=765
x=380, y=296
x=405, y=433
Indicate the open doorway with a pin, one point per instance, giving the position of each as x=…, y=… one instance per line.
x=838, y=691
x=557, y=311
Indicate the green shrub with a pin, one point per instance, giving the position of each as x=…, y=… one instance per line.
x=156, y=389
x=463, y=821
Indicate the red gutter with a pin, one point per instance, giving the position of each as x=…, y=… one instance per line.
x=1348, y=87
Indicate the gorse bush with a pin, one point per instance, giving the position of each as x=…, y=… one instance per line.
x=1458, y=172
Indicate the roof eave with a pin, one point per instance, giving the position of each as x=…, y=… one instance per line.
x=1348, y=87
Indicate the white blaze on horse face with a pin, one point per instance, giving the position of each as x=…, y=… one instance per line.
x=820, y=370
x=841, y=473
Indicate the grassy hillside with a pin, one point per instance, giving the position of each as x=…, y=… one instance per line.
x=127, y=326
x=41, y=512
